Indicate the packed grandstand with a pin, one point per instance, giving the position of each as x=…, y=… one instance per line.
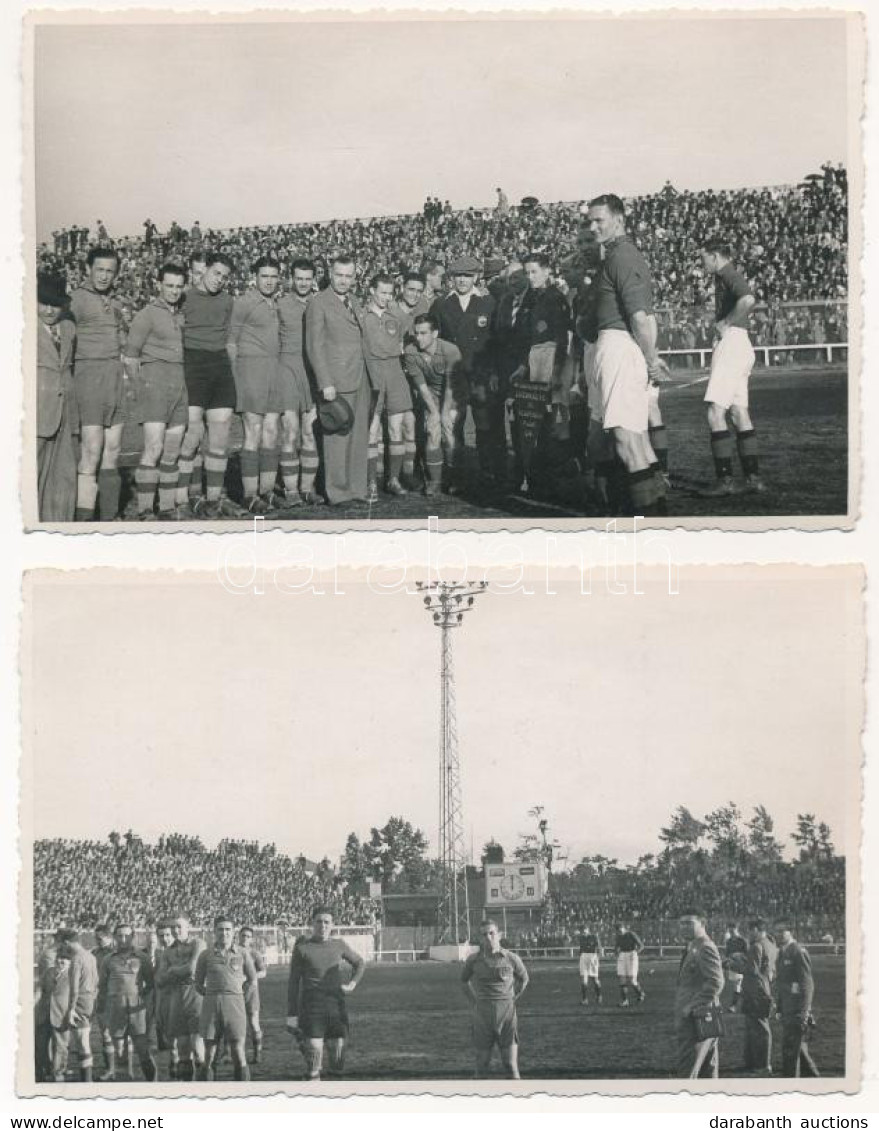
x=792, y=242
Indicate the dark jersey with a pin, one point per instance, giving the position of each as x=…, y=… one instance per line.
x=729, y=286
x=545, y=316
x=623, y=286
x=628, y=941
x=320, y=969
x=470, y=330
x=589, y=943
x=734, y=945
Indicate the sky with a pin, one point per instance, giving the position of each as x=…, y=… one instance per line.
x=251, y=123
x=177, y=706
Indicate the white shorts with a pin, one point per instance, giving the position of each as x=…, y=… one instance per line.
x=735, y=980
x=731, y=365
x=590, y=379
x=627, y=965
x=621, y=372
x=588, y=966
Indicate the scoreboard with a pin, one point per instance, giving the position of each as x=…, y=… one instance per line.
x=515, y=884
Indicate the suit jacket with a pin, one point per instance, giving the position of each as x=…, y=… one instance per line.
x=54, y=375
x=471, y=330
x=700, y=977
x=794, y=982
x=334, y=342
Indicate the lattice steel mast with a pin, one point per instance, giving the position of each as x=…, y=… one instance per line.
x=447, y=602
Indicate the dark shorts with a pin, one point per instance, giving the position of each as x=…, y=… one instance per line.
x=222, y=1015
x=295, y=389
x=99, y=392
x=258, y=382
x=161, y=394
x=324, y=1017
x=209, y=380
x=126, y=1017
x=495, y=1023
x=185, y=1012
x=394, y=394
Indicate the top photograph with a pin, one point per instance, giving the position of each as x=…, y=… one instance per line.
x=505, y=271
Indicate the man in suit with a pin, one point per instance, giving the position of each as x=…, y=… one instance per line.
x=56, y=457
x=700, y=982
x=795, y=988
x=334, y=345
x=466, y=319
x=756, y=965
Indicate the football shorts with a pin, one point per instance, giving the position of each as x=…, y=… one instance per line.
x=126, y=1016
x=621, y=375
x=324, y=1016
x=258, y=382
x=394, y=394
x=209, y=380
x=627, y=964
x=588, y=966
x=294, y=385
x=731, y=365
x=99, y=392
x=495, y=1023
x=185, y=1012
x=223, y=1015
x=161, y=394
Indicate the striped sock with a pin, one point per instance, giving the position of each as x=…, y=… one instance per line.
x=395, y=461
x=184, y=478
x=167, y=486
x=747, y=445
x=268, y=470
x=722, y=449
x=289, y=465
x=659, y=443
x=215, y=474
x=146, y=480
x=433, y=461
x=109, y=489
x=309, y=465
x=86, y=497
x=196, y=483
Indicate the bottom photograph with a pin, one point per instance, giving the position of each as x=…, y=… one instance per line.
x=596, y=833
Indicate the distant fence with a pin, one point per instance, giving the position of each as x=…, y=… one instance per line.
x=666, y=950
x=825, y=354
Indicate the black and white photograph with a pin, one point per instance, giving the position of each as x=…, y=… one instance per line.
x=503, y=269
x=592, y=834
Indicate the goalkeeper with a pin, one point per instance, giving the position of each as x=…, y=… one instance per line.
x=323, y=971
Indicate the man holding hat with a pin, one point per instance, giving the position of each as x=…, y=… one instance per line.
x=334, y=345
x=56, y=457
x=466, y=318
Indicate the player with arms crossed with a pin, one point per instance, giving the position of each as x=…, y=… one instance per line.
x=185, y=1007
x=316, y=992
x=731, y=364
x=628, y=946
x=590, y=956
x=494, y=979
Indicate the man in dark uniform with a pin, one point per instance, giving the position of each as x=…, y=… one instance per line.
x=186, y=1001
x=626, y=357
x=494, y=979
x=628, y=946
x=590, y=957
x=101, y=952
x=334, y=346
x=251, y=992
x=323, y=971
x=466, y=319
x=733, y=945
x=795, y=989
x=99, y=380
x=126, y=979
x=757, y=966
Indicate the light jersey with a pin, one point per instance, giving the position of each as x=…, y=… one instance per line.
x=126, y=974
x=494, y=976
x=224, y=971
x=318, y=968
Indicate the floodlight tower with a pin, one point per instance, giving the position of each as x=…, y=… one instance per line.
x=447, y=602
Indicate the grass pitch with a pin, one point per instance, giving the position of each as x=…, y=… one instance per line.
x=412, y=1022
x=801, y=417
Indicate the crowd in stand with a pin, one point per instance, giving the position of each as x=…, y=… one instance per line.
x=814, y=897
x=790, y=241
x=82, y=883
